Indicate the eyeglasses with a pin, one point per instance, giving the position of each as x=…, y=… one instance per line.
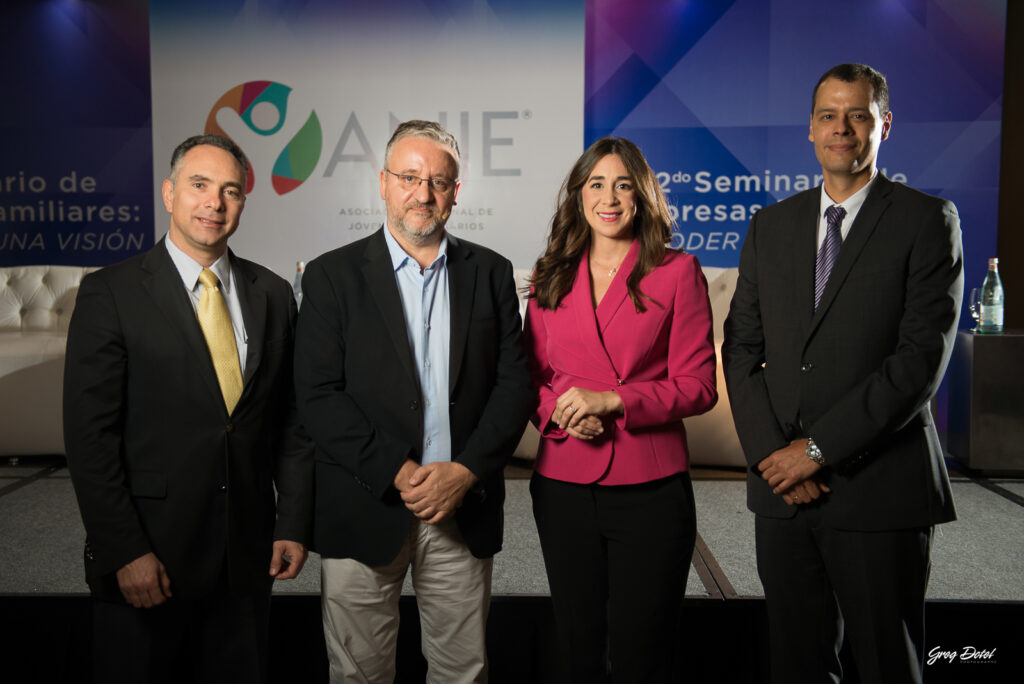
x=407, y=182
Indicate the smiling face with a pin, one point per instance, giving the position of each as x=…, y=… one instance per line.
x=416, y=215
x=205, y=199
x=608, y=199
x=847, y=129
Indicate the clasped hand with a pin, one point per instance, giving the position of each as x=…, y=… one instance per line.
x=433, y=491
x=792, y=474
x=578, y=411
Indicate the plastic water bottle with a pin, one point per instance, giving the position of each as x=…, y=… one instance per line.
x=300, y=266
x=991, y=319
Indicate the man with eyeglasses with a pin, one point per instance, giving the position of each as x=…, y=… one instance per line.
x=412, y=381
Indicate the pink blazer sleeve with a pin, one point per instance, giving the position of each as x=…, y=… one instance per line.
x=661, y=362
x=688, y=385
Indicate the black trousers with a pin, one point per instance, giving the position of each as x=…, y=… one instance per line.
x=819, y=582
x=220, y=638
x=617, y=560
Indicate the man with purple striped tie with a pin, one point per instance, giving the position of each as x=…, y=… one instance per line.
x=838, y=335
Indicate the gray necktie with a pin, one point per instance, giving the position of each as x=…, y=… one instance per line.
x=829, y=251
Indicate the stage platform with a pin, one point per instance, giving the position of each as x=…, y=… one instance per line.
x=976, y=592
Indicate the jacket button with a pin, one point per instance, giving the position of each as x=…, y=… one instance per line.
x=230, y=427
x=806, y=367
x=223, y=488
x=413, y=405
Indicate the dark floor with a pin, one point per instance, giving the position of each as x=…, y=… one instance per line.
x=976, y=594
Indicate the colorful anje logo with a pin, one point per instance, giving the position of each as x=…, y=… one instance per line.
x=299, y=157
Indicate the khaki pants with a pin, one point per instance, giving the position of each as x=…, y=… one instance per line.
x=453, y=592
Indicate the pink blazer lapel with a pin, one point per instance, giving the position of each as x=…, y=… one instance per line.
x=617, y=294
x=591, y=346
x=591, y=323
x=583, y=308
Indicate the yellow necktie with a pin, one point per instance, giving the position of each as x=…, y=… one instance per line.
x=215, y=321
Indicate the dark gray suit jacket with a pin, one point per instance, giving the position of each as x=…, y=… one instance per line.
x=858, y=374
x=360, y=400
x=157, y=463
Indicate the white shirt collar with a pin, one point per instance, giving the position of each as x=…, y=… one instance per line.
x=189, y=269
x=851, y=204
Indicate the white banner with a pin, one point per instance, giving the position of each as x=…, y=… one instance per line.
x=313, y=94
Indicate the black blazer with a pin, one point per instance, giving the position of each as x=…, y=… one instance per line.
x=157, y=463
x=858, y=374
x=360, y=400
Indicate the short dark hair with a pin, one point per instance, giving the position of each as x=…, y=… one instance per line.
x=852, y=72
x=226, y=144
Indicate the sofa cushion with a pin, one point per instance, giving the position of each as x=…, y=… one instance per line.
x=38, y=297
x=19, y=350
x=35, y=308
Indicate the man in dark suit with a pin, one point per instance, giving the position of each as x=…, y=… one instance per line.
x=412, y=382
x=838, y=335
x=180, y=422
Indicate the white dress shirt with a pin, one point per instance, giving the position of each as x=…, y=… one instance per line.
x=189, y=270
x=852, y=205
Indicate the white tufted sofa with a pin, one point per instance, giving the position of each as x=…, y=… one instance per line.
x=711, y=437
x=35, y=308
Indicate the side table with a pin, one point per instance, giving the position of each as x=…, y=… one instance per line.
x=986, y=401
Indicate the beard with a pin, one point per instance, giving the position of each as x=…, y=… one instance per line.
x=420, y=237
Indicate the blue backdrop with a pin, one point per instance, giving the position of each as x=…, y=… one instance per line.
x=718, y=95
x=716, y=92
x=76, y=180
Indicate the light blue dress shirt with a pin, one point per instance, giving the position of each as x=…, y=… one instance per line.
x=428, y=322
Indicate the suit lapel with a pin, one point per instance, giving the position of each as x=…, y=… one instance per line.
x=863, y=226
x=804, y=249
x=168, y=293
x=617, y=294
x=582, y=303
x=253, y=301
x=380, y=276
x=461, y=290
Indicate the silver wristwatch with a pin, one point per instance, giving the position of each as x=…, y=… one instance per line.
x=814, y=453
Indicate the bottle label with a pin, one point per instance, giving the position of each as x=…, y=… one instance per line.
x=991, y=316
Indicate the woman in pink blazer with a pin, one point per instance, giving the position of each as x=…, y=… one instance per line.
x=618, y=333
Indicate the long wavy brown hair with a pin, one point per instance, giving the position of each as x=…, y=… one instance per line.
x=555, y=271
